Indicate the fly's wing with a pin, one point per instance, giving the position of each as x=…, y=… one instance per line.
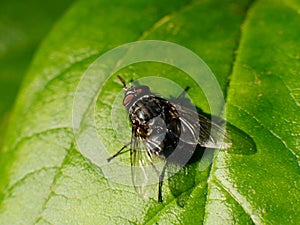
x=231, y=139
x=212, y=135
x=145, y=168
x=202, y=130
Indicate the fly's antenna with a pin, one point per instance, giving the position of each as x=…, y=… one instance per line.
x=122, y=81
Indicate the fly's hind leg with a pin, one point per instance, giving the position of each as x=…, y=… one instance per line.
x=160, y=175
x=160, y=184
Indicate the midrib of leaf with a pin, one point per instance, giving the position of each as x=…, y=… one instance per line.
x=236, y=50
x=235, y=199
x=227, y=89
x=257, y=219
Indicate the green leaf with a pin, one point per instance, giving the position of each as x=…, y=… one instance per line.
x=21, y=32
x=266, y=80
x=45, y=178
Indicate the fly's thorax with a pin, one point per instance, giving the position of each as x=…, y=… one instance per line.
x=144, y=109
x=141, y=113
x=141, y=129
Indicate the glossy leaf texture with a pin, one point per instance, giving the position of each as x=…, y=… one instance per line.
x=252, y=48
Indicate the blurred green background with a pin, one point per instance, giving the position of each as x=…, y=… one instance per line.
x=23, y=24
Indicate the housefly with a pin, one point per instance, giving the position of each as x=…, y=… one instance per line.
x=164, y=129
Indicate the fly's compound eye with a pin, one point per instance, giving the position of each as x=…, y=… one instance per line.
x=139, y=90
x=142, y=89
x=135, y=92
x=128, y=99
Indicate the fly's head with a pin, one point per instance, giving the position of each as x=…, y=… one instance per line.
x=132, y=94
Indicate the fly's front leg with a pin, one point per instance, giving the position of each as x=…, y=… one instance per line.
x=121, y=151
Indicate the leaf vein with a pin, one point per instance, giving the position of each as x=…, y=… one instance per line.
x=27, y=175
x=269, y=130
x=235, y=199
x=237, y=47
x=227, y=87
x=54, y=180
x=26, y=138
x=166, y=18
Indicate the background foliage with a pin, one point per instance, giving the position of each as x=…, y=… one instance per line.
x=253, y=48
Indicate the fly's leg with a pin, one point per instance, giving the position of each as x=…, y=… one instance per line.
x=161, y=179
x=183, y=92
x=121, y=151
x=160, y=175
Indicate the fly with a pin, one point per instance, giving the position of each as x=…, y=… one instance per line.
x=166, y=130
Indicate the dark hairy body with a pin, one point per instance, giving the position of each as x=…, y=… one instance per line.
x=164, y=129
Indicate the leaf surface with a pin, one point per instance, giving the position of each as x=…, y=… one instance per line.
x=46, y=180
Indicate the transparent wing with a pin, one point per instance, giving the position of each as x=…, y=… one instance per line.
x=202, y=130
x=145, y=168
x=212, y=135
